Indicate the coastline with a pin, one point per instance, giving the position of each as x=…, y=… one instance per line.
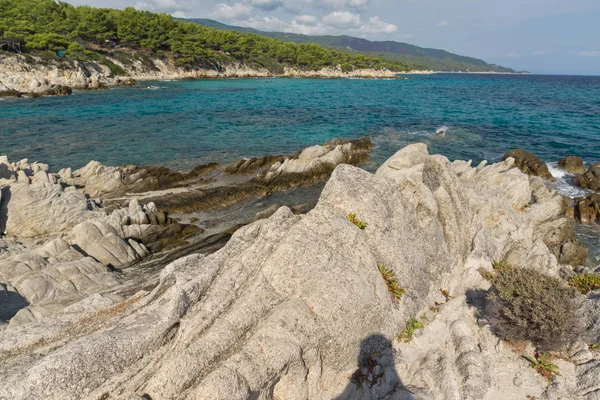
x=19, y=77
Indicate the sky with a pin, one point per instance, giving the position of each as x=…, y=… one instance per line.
x=540, y=36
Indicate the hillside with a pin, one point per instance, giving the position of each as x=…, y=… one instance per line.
x=435, y=59
x=48, y=29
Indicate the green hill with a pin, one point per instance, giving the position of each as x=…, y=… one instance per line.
x=435, y=59
x=43, y=27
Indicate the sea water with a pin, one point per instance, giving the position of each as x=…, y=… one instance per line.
x=185, y=123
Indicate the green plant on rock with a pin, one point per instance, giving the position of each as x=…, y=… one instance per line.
x=352, y=218
x=585, y=283
x=524, y=304
x=500, y=264
x=446, y=294
x=542, y=365
x=594, y=346
x=391, y=281
x=409, y=331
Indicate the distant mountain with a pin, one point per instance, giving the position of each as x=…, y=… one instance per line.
x=435, y=59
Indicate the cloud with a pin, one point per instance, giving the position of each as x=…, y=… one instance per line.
x=236, y=11
x=168, y=6
x=342, y=19
x=340, y=4
x=306, y=19
x=443, y=24
x=266, y=23
x=376, y=25
x=589, y=54
x=511, y=54
x=267, y=5
x=541, y=53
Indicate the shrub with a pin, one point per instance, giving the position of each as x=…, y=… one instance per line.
x=352, y=218
x=542, y=365
x=524, y=304
x=411, y=327
x=585, y=283
x=391, y=281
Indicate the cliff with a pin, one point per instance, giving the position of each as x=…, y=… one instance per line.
x=289, y=305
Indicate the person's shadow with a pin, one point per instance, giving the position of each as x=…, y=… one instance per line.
x=376, y=376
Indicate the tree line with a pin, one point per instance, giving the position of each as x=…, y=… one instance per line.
x=86, y=32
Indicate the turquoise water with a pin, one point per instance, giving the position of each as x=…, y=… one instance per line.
x=184, y=123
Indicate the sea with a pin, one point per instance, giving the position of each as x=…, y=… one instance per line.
x=181, y=124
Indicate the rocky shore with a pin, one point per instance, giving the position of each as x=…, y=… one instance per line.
x=292, y=302
x=72, y=233
x=31, y=76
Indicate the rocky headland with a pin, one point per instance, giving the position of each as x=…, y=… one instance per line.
x=380, y=291
x=31, y=76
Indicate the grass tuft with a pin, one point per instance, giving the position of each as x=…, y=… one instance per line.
x=352, y=218
x=391, y=281
x=542, y=365
x=585, y=283
x=411, y=327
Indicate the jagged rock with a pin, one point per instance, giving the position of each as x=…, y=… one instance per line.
x=283, y=310
x=585, y=209
x=102, y=241
x=529, y=163
x=99, y=179
x=572, y=164
x=590, y=179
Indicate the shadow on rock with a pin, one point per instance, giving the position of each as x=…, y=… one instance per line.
x=376, y=376
x=4, y=199
x=10, y=303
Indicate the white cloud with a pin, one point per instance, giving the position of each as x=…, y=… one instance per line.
x=168, y=6
x=443, y=24
x=589, y=54
x=342, y=19
x=267, y=5
x=541, y=53
x=511, y=54
x=376, y=25
x=266, y=23
x=236, y=11
x=339, y=4
x=306, y=19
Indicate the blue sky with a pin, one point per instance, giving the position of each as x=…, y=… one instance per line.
x=541, y=36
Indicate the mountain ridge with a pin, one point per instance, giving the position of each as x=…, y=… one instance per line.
x=434, y=59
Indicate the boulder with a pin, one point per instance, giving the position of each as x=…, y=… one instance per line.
x=590, y=179
x=529, y=163
x=44, y=209
x=572, y=164
x=102, y=241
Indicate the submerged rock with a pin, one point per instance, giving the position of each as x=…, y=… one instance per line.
x=285, y=309
x=530, y=164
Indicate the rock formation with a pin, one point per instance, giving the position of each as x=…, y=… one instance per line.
x=572, y=164
x=21, y=76
x=287, y=308
x=529, y=163
x=590, y=179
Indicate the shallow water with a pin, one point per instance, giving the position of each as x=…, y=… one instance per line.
x=184, y=123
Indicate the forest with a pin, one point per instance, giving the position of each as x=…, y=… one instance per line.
x=43, y=27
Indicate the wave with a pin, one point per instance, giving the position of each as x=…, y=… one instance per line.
x=565, y=183
x=442, y=130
